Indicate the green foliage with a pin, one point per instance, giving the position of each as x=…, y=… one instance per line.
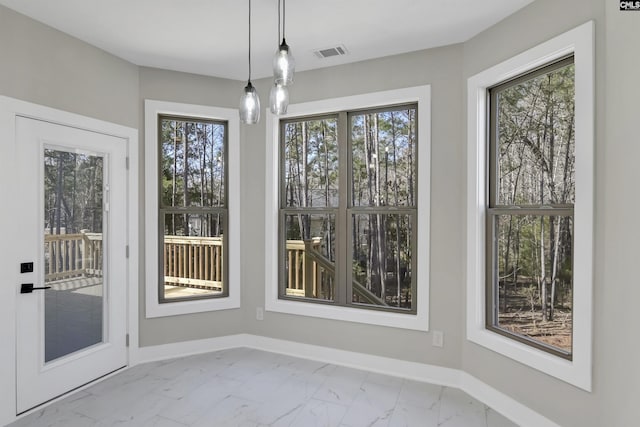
x=193, y=163
x=193, y=175
x=73, y=192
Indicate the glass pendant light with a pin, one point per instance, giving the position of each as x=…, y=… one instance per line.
x=249, y=105
x=279, y=95
x=279, y=99
x=249, y=101
x=283, y=63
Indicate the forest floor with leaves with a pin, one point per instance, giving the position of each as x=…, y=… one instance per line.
x=520, y=319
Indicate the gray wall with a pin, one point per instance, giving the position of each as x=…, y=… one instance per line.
x=442, y=69
x=191, y=89
x=44, y=66
x=617, y=347
x=439, y=67
x=616, y=375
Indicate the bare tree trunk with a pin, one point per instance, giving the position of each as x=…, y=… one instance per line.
x=221, y=181
x=372, y=218
x=395, y=196
x=327, y=201
x=554, y=273
x=298, y=187
x=380, y=220
x=200, y=134
x=543, y=273
x=71, y=224
x=547, y=134
x=59, y=190
x=174, y=189
x=543, y=278
x=305, y=179
x=410, y=158
x=507, y=255
x=567, y=186
x=410, y=179
x=355, y=220
x=94, y=203
x=185, y=177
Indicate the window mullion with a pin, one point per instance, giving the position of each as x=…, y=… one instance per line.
x=531, y=210
x=343, y=225
x=385, y=210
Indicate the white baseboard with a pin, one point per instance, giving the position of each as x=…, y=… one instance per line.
x=383, y=365
x=505, y=405
x=186, y=348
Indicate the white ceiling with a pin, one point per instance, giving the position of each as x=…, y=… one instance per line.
x=210, y=36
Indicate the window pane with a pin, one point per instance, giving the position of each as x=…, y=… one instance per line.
x=382, y=259
x=193, y=162
x=535, y=292
x=192, y=257
x=384, y=158
x=311, y=163
x=309, y=261
x=536, y=137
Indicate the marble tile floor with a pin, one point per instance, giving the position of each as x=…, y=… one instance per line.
x=246, y=388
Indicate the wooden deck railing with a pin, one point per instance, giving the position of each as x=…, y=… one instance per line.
x=197, y=262
x=68, y=256
x=188, y=260
x=304, y=268
x=307, y=265
x=193, y=261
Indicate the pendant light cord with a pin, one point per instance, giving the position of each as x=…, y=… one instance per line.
x=279, y=24
x=249, y=41
x=284, y=16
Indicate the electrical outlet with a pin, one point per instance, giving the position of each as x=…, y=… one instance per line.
x=259, y=313
x=438, y=339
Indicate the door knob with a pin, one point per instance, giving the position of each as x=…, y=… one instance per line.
x=27, y=288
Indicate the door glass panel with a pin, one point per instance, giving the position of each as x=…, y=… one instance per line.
x=73, y=251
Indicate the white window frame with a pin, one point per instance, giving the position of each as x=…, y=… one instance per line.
x=152, y=109
x=418, y=321
x=579, y=42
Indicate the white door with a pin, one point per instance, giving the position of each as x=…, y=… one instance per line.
x=72, y=221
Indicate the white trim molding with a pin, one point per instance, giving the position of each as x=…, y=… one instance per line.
x=10, y=109
x=579, y=42
x=151, y=111
x=419, y=321
x=448, y=377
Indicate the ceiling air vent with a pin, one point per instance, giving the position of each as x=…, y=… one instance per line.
x=330, y=51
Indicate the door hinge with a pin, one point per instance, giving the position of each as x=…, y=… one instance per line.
x=127, y=340
x=126, y=161
x=127, y=251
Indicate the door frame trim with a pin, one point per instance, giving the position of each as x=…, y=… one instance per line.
x=10, y=108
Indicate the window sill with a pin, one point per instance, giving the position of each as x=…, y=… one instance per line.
x=155, y=309
x=555, y=366
x=417, y=322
